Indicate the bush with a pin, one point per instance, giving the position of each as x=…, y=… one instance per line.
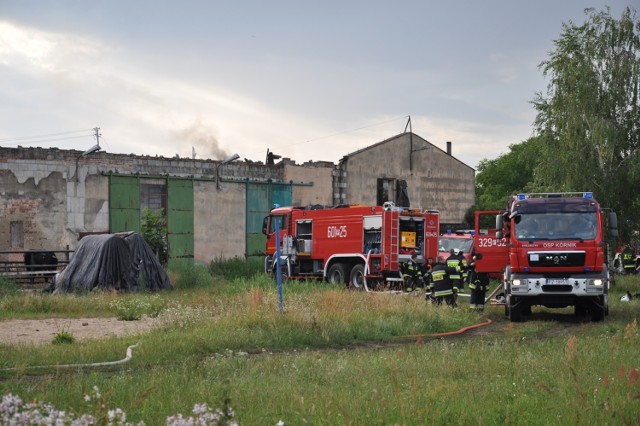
x=186, y=274
x=63, y=336
x=131, y=309
x=153, y=228
x=7, y=287
x=236, y=267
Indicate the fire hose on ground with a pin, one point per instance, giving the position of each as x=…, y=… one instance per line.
x=124, y=360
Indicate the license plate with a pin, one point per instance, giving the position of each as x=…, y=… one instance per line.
x=557, y=281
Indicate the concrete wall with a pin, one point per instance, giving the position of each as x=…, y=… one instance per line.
x=219, y=220
x=58, y=195
x=435, y=180
x=320, y=174
x=41, y=188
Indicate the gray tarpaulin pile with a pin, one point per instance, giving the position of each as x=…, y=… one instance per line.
x=121, y=262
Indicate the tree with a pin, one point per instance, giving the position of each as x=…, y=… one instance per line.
x=589, y=120
x=508, y=174
x=154, y=231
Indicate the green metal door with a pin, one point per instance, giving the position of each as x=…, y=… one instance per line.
x=124, y=204
x=180, y=218
x=260, y=200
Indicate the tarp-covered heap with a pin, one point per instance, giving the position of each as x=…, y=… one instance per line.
x=121, y=262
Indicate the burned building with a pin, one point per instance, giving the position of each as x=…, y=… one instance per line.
x=50, y=198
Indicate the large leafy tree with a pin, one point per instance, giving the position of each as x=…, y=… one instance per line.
x=588, y=121
x=508, y=174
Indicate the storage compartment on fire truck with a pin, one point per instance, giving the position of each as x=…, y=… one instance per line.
x=372, y=234
x=411, y=234
x=303, y=233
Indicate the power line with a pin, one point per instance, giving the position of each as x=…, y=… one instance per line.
x=349, y=131
x=44, y=136
x=46, y=140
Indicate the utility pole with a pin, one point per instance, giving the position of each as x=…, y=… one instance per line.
x=97, y=130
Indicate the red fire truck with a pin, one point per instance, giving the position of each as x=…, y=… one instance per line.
x=462, y=240
x=557, y=257
x=490, y=251
x=362, y=246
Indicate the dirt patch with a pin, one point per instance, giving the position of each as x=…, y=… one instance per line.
x=42, y=331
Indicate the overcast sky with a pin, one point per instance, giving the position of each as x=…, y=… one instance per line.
x=309, y=80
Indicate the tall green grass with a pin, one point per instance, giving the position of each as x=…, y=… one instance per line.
x=340, y=357
x=236, y=267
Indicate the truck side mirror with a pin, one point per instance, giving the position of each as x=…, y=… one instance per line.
x=499, y=224
x=613, y=224
x=613, y=220
x=265, y=223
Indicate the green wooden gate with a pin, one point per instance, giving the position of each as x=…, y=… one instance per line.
x=260, y=200
x=125, y=211
x=124, y=204
x=180, y=218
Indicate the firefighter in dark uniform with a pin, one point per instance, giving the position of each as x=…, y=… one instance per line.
x=628, y=261
x=457, y=261
x=414, y=274
x=478, y=284
x=426, y=278
x=442, y=284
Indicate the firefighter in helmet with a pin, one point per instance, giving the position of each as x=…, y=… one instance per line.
x=442, y=284
x=427, y=267
x=628, y=261
x=413, y=270
x=478, y=284
x=457, y=261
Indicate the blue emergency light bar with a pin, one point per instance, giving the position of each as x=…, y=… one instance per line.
x=521, y=197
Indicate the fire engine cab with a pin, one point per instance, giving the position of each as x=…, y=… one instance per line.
x=362, y=246
x=556, y=250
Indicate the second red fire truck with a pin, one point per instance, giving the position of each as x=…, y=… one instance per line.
x=362, y=246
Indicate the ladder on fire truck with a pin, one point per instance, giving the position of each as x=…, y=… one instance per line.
x=390, y=245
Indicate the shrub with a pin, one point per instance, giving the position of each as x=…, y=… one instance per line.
x=63, y=337
x=186, y=274
x=153, y=228
x=236, y=267
x=131, y=309
x=7, y=287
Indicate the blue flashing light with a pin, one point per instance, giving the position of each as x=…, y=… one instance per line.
x=276, y=206
x=522, y=196
x=588, y=195
x=473, y=232
x=587, y=269
x=527, y=269
x=449, y=232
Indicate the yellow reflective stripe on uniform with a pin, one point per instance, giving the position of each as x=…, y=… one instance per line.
x=438, y=275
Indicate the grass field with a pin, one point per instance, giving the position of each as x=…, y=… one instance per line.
x=333, y=357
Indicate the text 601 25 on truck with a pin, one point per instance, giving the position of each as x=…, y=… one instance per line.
x=362, y=246
x=557, y=253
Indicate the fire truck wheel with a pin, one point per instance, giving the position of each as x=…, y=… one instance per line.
x=597, y=311
x=356, y=278
x=515, y=314
x=337, y=274
x=580, y=310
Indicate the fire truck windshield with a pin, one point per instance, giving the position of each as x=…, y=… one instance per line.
x=282, y=223
x=448, y=243
x=556, y=226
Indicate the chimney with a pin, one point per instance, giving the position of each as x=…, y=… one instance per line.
x=448, y=147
